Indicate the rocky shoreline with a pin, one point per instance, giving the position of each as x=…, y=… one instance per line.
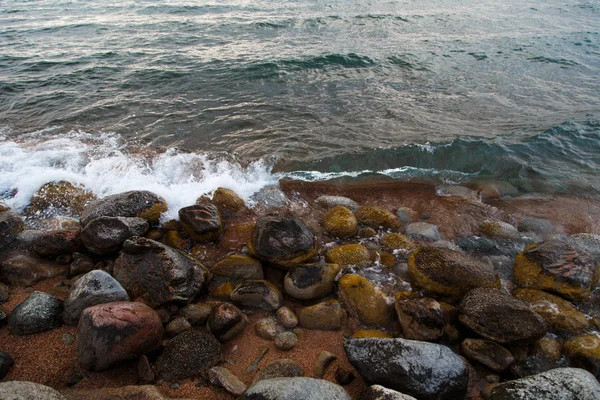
x=338, y=290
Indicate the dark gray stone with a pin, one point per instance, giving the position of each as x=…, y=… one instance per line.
x=299, y=388
x=421, y=369
x=483, y=246
x=556, y=384
x=4, y=292
x=270, y=197
x=6, y=362
x=105, y=235
x=10, y=225
x=39, y=312
x=95, y=287
x=187, y=355
x=135, y=203
x=57, y=242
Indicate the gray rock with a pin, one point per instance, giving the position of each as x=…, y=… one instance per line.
x=378, y=392
x=483, y=246
x=421, y=369
x=556, y=384
x=270, y=197
x=458, y=191
x=3, y=293
x=39, y=312
x=423, y=231
x=287, y=317
x=536, y=225
x=21, y=390
x=177, y=326
x=584, y=242
x=135, y=203
x=105, y=235
x=334, y=201
x=286, y=341
x=6, y=362
x=95, y=287
x=407, y=215
x=188, y=355
x=299, y=388
x=158, y=273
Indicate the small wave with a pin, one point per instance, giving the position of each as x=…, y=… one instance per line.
x=381, y=16
x=548, y=60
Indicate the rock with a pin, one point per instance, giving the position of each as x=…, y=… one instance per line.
x=158, y=273
x=57, y=242
x=61, y=195
x=500, y=317
x=282, y=368
x=488, y=353
x=21, y=390
x=287, y=318
x=283, y=240
x=344, y=376
x=397, y=241
x=4, y=293
x=10, y=225
x=559, y=383
x=188, y=355
x=549, y=348
x=364, y=301
x=584, y=243
x=310, y=281
x=499, y=230
x=268, y=328
x=423, y=231
x=286, y=341
x=558, y=313
x=82, y=264
x=535, y=225
x=333, y=201
x=557, y=267
x=327, y=315
x=270, y=197
x=227, y=201
x=95, y=287
x=349, y=254
x=421, y=318
x=299, y=388
x=145, y=392
x=238, y=268
x=324, y=360
x=491, y=247
x=340, y=221
x=26, y=270
x=105, y=235
x=257, y=293
x=3, y=318
x=449, y=273
x=196, y=314
x=222, y=377
x=135, y=203
x=421, y=369
x=110, y=333
x=583, y=352
x=202, y=222
x=226, y=321
x=407, y=215
x=370, y=333
x=145, y=372
x=376, y=217
x=378, y=392
x=367, y=232
x=39, y=312
x=458, y=191
x=177, y=326
x=174, y=239
x=6, y=362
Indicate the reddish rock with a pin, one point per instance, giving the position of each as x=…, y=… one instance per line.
x=114, y=332
x=57, y=242
x=26, y=269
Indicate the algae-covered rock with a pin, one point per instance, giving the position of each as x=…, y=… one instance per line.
x=310, y=281
x=257, y=293
x=348, y=254
x=498, y=316
x=202, y=222
x=558, y=313
x=375, y=217
x=135, y=203
x=327, y=315
x=557, y=267
x=227, y=201
x=397, y=241
x=499, y=229
x=421, y=318
x=340, y=221
x=583, y=351
x=283, y=240
x=61, y=195
x=488, y=353
x=363, y=300
x=449, y=273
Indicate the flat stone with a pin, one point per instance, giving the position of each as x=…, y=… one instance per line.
x=536, y=225
x=222, y=377
x=39, y=312
x=299, y=388
x=423, y=231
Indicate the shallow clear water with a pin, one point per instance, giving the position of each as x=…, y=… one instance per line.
x=437, y=90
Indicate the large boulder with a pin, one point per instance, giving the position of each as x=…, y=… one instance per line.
x=449, y=273
x=135, y=203
x=202, y=222
x=556, y=384
x=110, y=333
x=558, y=267
x=283, y=240
x=299, y=388
x=25, y=269
x=310, y=281
x=39, y=312
x=95, y=287
x=421, y=369
x=105, y=235
x=187, y=355
x=498, y=316
x=157, y=272
x=22, y=390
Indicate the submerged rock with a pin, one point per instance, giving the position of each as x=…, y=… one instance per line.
x=135, y=203
x=299, y=388
x=39, y=312
x=423, y=231
x=499, y=230
x=105, y=235
x=557, y=267
x=188, y=355
x=421, y=369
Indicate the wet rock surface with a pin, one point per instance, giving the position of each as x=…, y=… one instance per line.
x=105, y=235
x=24, y=269
x=226, y=321
x=202, y=222
x=39, y=312
x=135, y=203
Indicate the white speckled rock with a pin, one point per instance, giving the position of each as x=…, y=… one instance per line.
x=295, y=389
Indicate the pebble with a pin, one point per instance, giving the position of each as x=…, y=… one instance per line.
x=286, y=341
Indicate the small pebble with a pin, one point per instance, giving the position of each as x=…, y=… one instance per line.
x=68, y=338
x=287, y=317
x=74, y=380
x=343, y=376
x=175, y=386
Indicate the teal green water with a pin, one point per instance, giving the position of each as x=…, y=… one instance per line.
x=437, y=90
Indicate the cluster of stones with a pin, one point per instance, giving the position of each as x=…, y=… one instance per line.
x=421, y=315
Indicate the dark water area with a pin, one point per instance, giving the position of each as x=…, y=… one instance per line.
x=444, y=91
